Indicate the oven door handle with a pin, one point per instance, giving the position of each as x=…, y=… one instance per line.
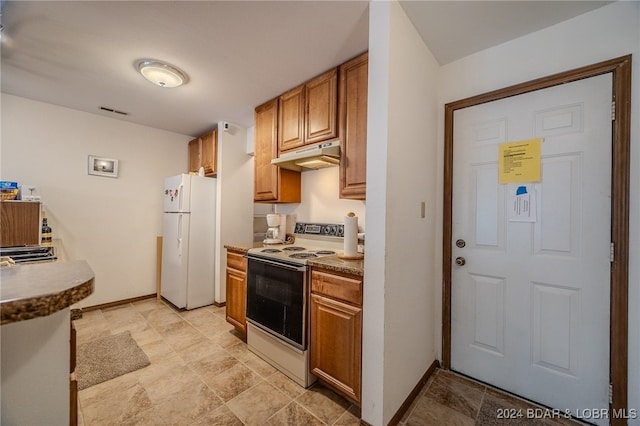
x=278, y=264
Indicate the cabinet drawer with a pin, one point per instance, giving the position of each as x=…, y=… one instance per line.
x=336, y=286
x=236, y=261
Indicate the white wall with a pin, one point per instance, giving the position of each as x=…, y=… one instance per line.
x=605, y=33
x=401, y=174
x=234, y=204
x=111, y=223
x=320, y=202
x=251, y=140
x=390, y=363
x=374, y=314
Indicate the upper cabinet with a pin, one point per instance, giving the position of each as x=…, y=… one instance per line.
x=309, y=113
x=291, y=120
x=321, y=108
x=271, y=183
x=353, y=125
x=203, y=152
x=330, y=106
x=194, y=155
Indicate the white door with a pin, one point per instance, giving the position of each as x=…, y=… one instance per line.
x=530, y=307
x=175, y=255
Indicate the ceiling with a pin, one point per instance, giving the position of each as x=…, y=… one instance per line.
x=237, y=54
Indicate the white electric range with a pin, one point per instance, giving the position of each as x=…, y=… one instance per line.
x=312, y=240
x=278, y=291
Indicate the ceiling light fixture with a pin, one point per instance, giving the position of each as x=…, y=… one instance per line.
x=161, y=73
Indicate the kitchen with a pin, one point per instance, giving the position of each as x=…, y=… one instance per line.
x=101, y=229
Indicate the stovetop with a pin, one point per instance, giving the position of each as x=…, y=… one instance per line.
x=294, y=253
x=311, y=242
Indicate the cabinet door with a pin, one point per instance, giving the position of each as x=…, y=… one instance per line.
x=265, y=149
x=353, y=116
x=194, y=155
x=271, y=183
x=19, y=223
x=291, y=123
x=209, y=151
x=336, y=345
x=321, y=107
x=236, y=299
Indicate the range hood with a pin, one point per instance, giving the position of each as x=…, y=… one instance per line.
x=312, y=157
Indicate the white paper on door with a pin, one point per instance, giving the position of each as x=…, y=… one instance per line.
x=521, y=203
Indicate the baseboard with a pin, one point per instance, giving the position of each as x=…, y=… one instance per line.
x=413, y=395
x=132, y=300
x=118, y=303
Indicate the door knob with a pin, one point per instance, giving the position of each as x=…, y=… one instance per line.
x=460, y=261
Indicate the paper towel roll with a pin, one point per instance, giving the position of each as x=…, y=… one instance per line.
x=351, y=235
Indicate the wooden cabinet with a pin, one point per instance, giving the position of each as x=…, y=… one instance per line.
x=321, y=108
x=236, y=290
x=272, y=184
x=309, y=112
x=291, y=119
x=203, y=152
x=353, y=126
x=194, y=155
x=336, y=331
x=19, y=223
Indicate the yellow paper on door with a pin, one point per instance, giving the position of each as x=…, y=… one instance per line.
x=519, y=162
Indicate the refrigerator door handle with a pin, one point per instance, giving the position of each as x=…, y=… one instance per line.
x=180, y=232
x=180, y=188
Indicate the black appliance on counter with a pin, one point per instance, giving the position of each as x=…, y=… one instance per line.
x=29, y=253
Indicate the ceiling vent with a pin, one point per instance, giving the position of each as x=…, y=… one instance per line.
x=113, y=111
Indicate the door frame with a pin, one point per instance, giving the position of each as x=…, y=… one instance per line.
x=620, y=68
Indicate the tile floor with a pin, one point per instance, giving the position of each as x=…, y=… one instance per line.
x=202, y=373
x=452, y=399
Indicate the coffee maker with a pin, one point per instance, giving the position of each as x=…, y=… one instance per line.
x=275, y=230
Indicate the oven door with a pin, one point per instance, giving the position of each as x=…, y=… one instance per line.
x=276, y=299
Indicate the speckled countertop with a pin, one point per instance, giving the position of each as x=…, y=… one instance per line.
x=334, y=263
x=37, y=290
x=243, y=247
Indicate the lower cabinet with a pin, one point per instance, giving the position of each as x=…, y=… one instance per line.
x=336, y=331
x=236, y=290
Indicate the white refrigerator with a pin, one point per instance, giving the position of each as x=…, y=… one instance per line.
x=188, y=241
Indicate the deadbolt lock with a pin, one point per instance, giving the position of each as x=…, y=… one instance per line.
x=460, y=243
